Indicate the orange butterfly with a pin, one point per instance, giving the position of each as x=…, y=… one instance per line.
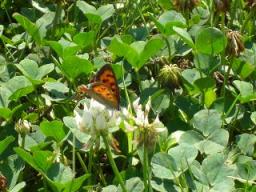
x=103, y=87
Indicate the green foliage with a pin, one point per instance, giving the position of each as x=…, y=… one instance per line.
x=186, y=77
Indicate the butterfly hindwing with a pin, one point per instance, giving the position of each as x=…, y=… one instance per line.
x=104, y=94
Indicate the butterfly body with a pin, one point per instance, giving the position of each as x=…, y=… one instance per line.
x=103, y=87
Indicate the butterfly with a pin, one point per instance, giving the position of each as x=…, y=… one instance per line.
x=103, y=87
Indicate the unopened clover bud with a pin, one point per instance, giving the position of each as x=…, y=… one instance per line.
x=170, y=76
x=23, y=127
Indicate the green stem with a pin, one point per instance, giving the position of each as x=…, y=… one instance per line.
x=23, y=140
x=74, y=155
x=169, y=48
x=82, y=162
x=246, y=21
x=113, y=164
x=145, y=168
x=90, y=163
x=138, y=79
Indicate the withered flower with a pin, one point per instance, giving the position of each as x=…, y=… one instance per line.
x=3, y=183
x=235, y=44
x=182, y=5
x=251, y=3
x=221, y=5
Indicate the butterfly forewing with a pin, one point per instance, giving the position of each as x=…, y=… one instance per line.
x=104, y=87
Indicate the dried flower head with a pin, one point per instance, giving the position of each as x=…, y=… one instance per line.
x=222, y=5
x=251, y=3
x=170, y=76
x=235, y=44
x=3, y=183
x=182, y=5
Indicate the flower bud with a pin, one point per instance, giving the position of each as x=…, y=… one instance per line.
x=23, y=127
x=170, y=76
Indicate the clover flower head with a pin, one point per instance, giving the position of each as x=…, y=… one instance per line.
x=23, y=127
x=96, y=117
x=140, y=118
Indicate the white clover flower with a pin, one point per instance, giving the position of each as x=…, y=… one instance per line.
x=23, y=126
x=140, y=118
x=96, y=117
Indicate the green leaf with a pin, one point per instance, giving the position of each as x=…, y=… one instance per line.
x=11, y=167
x=18, y=187
x=61, y=178
x=39, y=160
x=106, y=11
x=205, y=83
x=134, y=184
x=85, y=39
x=29, y=26
x=59, y=173
x=246, y=91
x=183, y=156
x=253, y=117
x=210, y=41
x=73, y=66
x=213, y=143
x=53, y=129
x=109, y=188
x=5, y=143
x=19, y=86
x=64, y=48
x=150, y=49
x=246, y=143
x=30, y=69
x=163, y=185
x=168, y=20
x=214, y=174
x=185, y=36
x=206, y=63
x=163, y=166
x=6, y=113
x=247, y=170
x=57, y=91
x=94, y=15
x=207, y=121
x=137, y=53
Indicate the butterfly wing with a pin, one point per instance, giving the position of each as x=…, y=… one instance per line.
x=102, y=93
x=107, y=76
x=103, y=87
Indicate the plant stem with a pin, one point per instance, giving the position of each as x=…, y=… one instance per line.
x=112, y=163
x=146, y=177
x=90, y=163
x=23, y=140
x=74, y=155
x=169, y=48
x=82, y=162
